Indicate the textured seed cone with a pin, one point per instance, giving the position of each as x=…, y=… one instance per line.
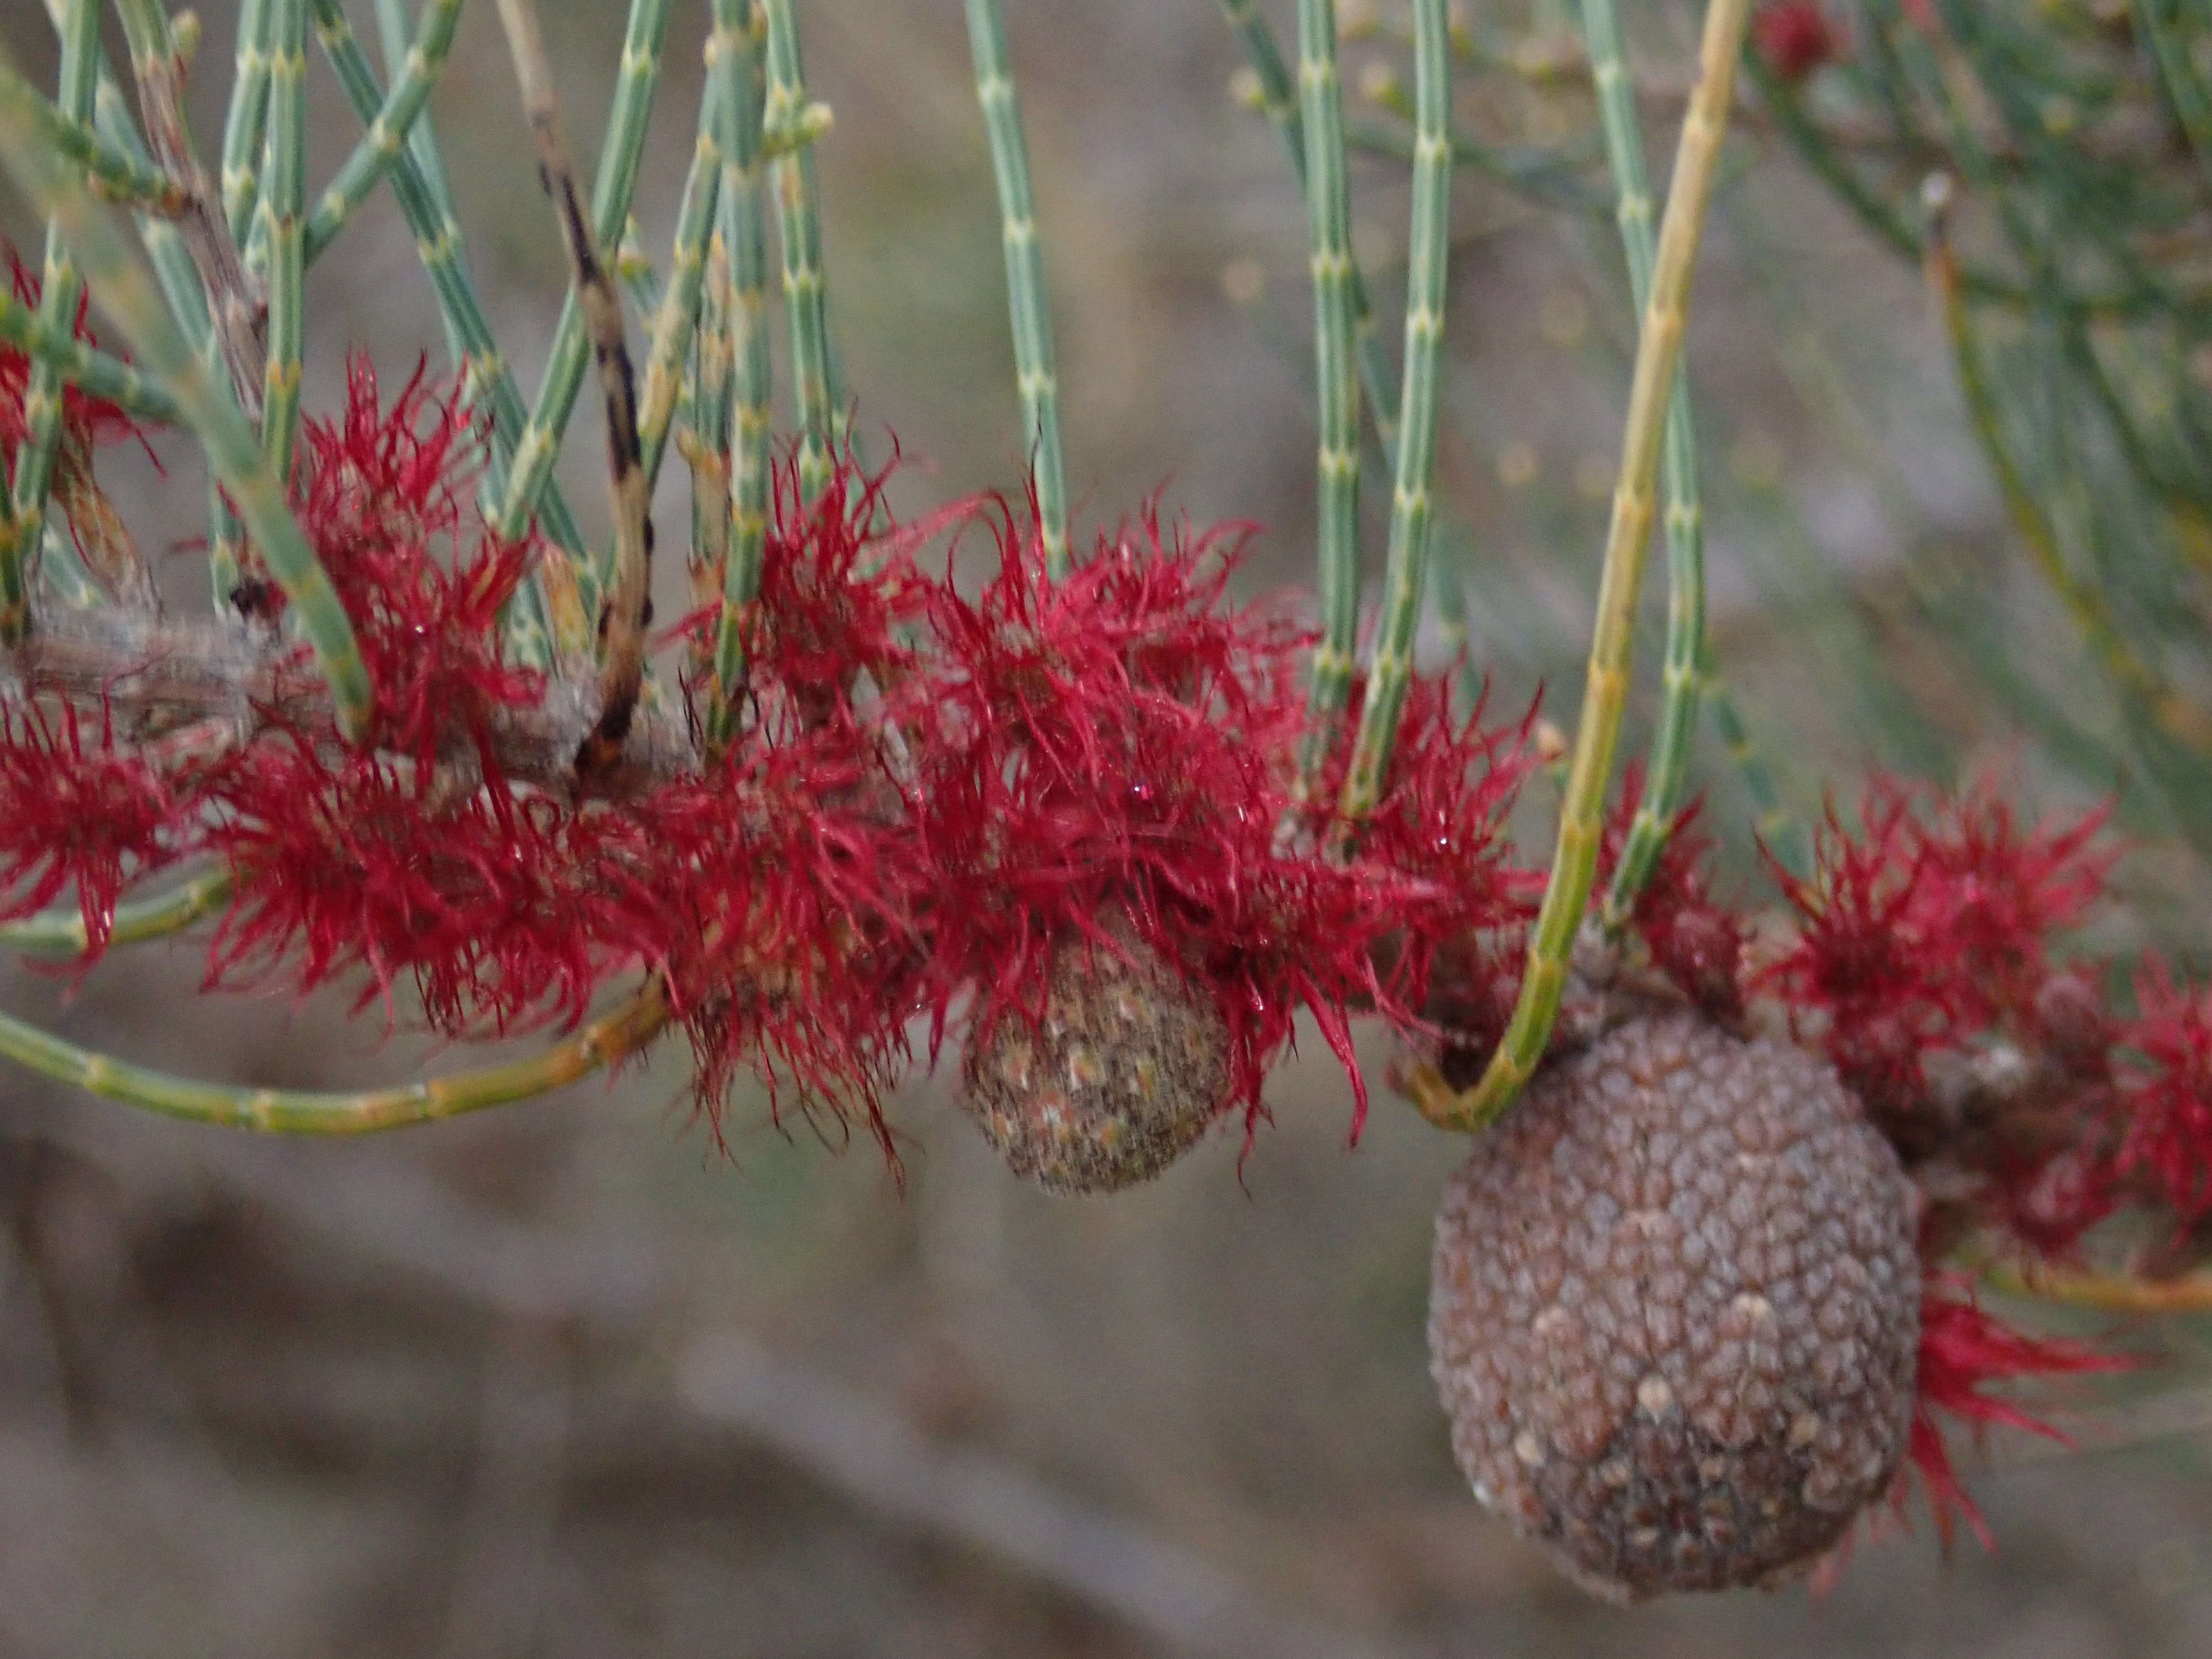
x=1120, y=1077
x=1675, y=1310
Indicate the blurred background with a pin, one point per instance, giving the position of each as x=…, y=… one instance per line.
x=570, y=1379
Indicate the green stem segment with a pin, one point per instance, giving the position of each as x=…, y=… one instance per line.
x=799, y=231
x=677, y=312
x=1280, y=99
x=1428, y=260
x=620, y=153
x=1680, y=679
x=738, y=73
x=61, y=932
x=128, y=295
x=622, y=626
x=605, y=1042
x=283, y=204
x=116, y=174
x=388, y=129
x=491, y=384
x=249, y=107
x=1658, y=353
x=1028, y=307
x=24, y=525
x=1335, y=275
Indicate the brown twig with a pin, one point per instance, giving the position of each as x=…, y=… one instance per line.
x=622, y=622
x=166, y=675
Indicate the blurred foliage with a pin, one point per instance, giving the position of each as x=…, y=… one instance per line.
x=2043, y=167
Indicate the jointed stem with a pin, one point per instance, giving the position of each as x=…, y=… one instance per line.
x=620, y=152
x=119, y=175
x=1658, y=352
x=395, y=38
x=283, y=203
x=1280, y=99
x=799, y=232
x=1428, y=260
x=249, y=108
x=1328, y=222
x=61, y=932
x=678, y=313
x=738, y=73
x=126, y=294
x=1685, y=518
x=604, y=1042
x=1028, y=307
x=42, y=396
x=621, y=673
x=389, y=128
x=491, y=383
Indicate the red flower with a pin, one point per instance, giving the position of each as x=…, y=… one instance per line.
x=1695, y=941
x=835, y=597
x=1795, y=38
x=379, y=494
x=73, y=814
x=1120, y=741
x=1933, y=923
x=1962, y=1351
x=2165, y=1073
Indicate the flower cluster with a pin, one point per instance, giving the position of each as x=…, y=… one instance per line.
x=1930, y=961
x=943, y=798
x=932, y=788
x=1114, y=747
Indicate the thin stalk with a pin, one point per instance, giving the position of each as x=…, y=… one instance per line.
x=1658, y=351
x=1280, y=99
x=120, y=177
x=42, y=394
x=1377, y=378
x=678, y=313
x=61, y=932
x=1772, y=821
x=1028, y=305
x=620, y=153
x=165, y=244
x=622, y=670
x=1428, y=257
x=603, y=1043
x=1669, y=766
x=1336, y=382
x=704, y=441
x=799, y=231
x=388, y=129
x=160, y=56
x=283, y=203
x=490, y=381
x=738, y=68
x=129, y=296
x=395, y=38
x=241, y=180
x=2108, y=1293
